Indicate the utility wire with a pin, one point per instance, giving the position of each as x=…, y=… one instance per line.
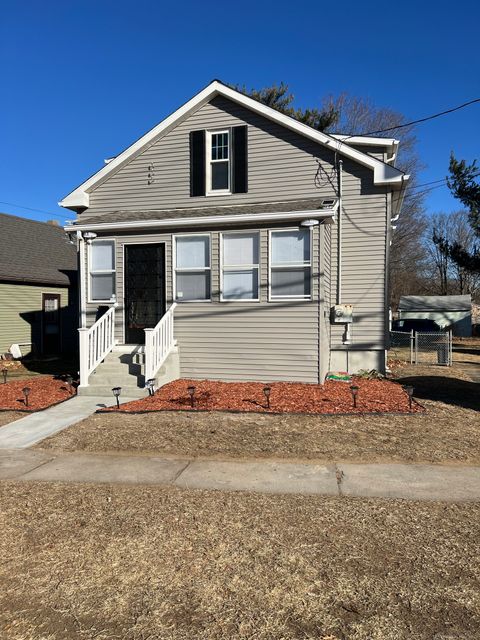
x=409, y=124
x=18, y=206
x=425, y=184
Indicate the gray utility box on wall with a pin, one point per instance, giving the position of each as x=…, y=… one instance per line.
x=342, y=314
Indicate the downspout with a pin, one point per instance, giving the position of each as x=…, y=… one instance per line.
x=339, y=234
x=82, y=290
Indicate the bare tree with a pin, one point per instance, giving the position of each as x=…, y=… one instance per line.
x=447, y=276
x=408, y=255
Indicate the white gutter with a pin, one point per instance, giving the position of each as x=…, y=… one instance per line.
x=318, y=214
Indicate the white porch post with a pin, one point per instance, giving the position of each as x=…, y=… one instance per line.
x=83, y=337
x=82, y=280
x=148, y=353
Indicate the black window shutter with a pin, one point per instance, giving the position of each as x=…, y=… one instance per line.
x=197, y=163
x=240, y=159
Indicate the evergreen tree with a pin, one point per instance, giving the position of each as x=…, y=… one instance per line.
x=280, y=98
x=463, y=186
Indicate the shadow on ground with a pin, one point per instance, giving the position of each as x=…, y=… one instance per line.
x=461, y=393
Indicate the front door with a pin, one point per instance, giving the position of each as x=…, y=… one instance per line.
x=50, y=323
x=144, y=289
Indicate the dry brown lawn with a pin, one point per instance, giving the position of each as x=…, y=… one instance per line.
x=138, y=563
x=9, y=416
x=448, y=433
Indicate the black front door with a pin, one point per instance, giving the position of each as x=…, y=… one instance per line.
x=144, y=289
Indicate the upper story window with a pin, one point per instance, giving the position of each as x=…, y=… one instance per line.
x=192, y=268
x=240, y=266
x=102, y=271
x=218, y=162
x=290, y=264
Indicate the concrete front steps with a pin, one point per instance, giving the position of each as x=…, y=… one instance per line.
x=125, y=367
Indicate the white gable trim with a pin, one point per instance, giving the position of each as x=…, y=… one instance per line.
x=383, y=173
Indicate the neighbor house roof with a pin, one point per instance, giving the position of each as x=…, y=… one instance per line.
x=435, y=303
x=36, y=252
x=383, y=173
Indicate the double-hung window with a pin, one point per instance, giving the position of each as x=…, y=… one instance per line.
x=218, y=162
x=240, y=265
x=192, y=268
x=102, y=271
x=290, y=264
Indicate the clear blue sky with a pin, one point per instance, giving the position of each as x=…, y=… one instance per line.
x=82, y=79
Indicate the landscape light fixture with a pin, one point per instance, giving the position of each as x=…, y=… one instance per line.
x=150, y=384
x=26, y=393
x=69, y=380
x=409, y=391
x=266, y=393
x=191, y=393
x=354, y=390
x=116, y=392
x=5, y=373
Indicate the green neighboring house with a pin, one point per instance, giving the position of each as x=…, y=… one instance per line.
x=38, y=287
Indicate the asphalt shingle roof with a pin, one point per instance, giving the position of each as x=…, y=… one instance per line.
x=435, y=303
x=36, y=252
x=309, y=204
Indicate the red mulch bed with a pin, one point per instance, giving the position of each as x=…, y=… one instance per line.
x=45, y=392
x=374, y=396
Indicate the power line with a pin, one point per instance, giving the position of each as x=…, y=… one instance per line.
x=426, y=184
x=409, y=124
x=48, y=213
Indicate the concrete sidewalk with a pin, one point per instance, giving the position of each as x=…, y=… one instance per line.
x=37, y=426
x=412, y=482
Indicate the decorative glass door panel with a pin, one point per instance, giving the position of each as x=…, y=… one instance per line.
x=144, y=289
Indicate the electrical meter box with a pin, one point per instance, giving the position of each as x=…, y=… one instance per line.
x=342, y=314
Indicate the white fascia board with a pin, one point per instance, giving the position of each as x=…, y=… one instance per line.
x=371, y=141
x=203, y=220
x=79, y=197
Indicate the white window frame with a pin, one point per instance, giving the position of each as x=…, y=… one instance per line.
x=208, y=172
x=291, y=265
x=241, y=267
x=113, y=271
x=189, y=270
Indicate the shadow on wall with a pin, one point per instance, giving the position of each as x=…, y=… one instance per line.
x=461, y=393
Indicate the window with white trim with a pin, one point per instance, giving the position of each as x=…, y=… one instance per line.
x=218, y=162
x=290, y=264
x=102, y=271
x=240, y=266
x=192, y=268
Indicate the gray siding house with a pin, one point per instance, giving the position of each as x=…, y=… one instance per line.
x=233, y=242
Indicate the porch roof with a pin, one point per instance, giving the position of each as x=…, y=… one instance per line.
x=312, y=205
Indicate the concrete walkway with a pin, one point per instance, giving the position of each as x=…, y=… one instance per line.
x=413, y=482
x=37, y=426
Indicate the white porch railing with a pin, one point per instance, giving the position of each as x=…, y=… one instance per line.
x=95, y=343
x=159, y=342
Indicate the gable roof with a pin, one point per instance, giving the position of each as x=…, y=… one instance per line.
x=36, y=252
x=435, y=303
x=383, y=173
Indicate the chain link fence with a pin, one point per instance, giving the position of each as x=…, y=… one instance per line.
x=415, y=347
x=402, y=346
x=433, y=348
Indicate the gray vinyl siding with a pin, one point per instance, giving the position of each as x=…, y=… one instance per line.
x=265, y=340
x=281, y=166
x=235, y=340
x=21, y=315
